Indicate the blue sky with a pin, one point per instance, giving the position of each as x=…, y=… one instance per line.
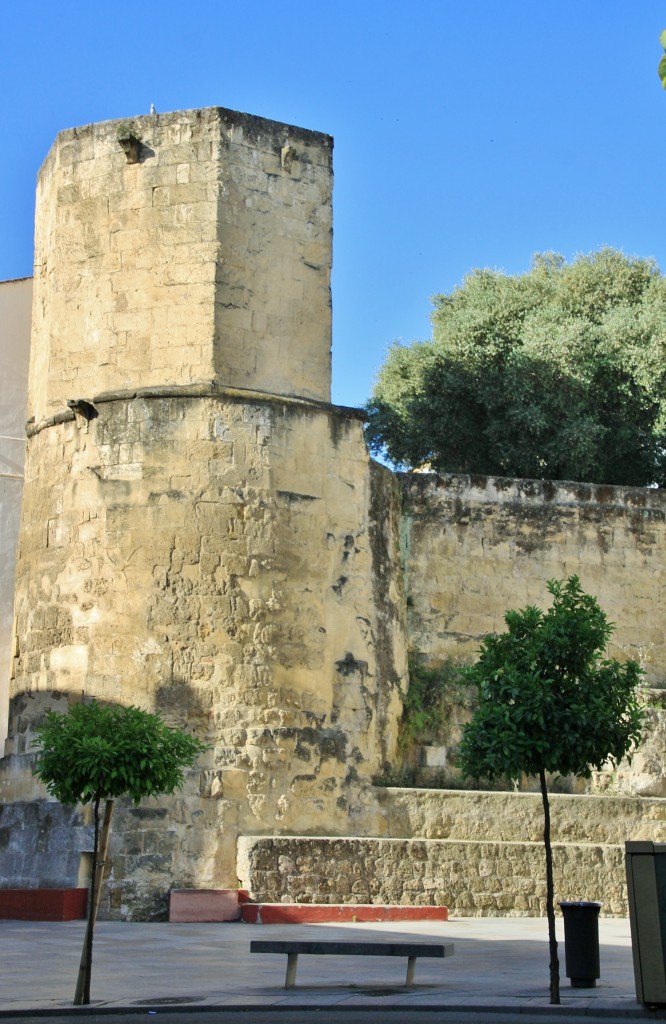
x=467, y=132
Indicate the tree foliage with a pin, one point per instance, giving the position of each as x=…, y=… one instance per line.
x=93, y=753
x=558, y=373
x=97, y=752
x=547, y=699
x=428, y=701
x=661, y=71
x=550, y=702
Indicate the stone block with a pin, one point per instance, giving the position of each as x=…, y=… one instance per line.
x=199, y=905
x=435, y=757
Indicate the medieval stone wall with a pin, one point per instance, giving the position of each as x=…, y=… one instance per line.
x=518, y=817
x=15, y=312
x=42, y=843
x=475, y=546
x=234, y=567
x=202, y=533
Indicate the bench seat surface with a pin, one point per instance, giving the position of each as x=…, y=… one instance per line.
x=331, y=947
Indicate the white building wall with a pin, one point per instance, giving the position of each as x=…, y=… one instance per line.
x=15, y=318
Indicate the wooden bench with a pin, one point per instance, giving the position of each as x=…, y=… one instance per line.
x=412, y=950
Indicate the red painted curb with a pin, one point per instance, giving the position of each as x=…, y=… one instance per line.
x=43, y=904
x=234, y=904
x=314, y=913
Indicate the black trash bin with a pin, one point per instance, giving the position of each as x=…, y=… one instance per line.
x=581, y=942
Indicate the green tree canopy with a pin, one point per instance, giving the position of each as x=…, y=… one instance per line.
x=558, y=373
x=98, y=752
x=550, y=702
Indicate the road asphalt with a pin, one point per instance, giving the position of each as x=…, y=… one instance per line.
x=500, y=966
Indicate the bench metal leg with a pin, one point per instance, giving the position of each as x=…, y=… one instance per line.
x=292, y=960
x=411, y=964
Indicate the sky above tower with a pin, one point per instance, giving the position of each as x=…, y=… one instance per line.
x=466, y=134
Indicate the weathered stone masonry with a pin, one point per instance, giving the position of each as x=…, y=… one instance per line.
x=207, y=260
x=475, y=546
x=204, y=535
x=479, y=854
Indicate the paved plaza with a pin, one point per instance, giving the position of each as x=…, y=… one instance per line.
x=499, y=963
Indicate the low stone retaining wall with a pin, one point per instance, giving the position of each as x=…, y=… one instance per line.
x=478, y=853
x=516, y=817
x=472, y=879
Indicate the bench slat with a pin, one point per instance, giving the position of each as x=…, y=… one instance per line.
x=342, y=948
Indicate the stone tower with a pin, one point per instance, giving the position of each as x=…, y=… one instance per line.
x=202, y=533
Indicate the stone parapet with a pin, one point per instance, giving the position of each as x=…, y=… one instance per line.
x=478, y=853
x=517, y=817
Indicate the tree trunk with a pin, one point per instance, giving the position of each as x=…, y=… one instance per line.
x=550, y=889
x=100, y=847
x=103, y=851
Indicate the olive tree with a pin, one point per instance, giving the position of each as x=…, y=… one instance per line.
x=558, y=373
x=549, y=702
x=94, y=753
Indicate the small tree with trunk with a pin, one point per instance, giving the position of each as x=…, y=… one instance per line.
x=94, y=753
x=550, y=702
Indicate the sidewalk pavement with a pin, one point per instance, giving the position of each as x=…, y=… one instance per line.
x=499, y=963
